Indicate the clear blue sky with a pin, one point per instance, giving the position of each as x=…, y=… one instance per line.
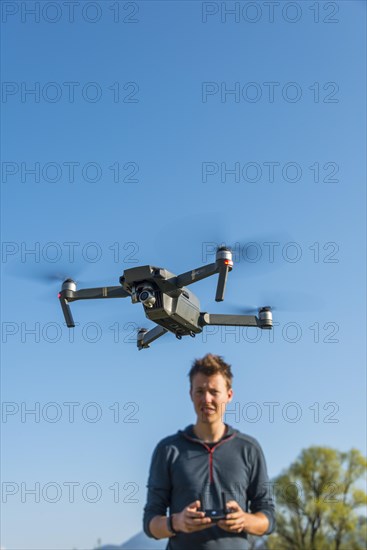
x=142, y=87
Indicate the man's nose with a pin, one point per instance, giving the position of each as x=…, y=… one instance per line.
x=207, y=397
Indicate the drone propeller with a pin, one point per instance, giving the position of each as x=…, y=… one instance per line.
x=283, y=301
x=52, y=275
x=251, y=310
x=48, y=273
x=254, y=252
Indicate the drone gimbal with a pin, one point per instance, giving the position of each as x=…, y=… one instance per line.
x=167, y=301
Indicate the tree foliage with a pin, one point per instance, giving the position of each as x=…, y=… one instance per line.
x=319, y=502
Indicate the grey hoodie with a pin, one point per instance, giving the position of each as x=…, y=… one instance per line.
x=184, y=468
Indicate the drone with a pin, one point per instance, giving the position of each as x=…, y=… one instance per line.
x=167, y=301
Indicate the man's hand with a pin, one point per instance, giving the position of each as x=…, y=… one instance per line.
x=235, y=521
x=190, y=520
x=238, y=521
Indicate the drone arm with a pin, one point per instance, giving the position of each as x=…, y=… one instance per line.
x=229, y=320
x=100, y=292
x=223, y=265
x=68, y=294
x=147, y=337
x=195, y=275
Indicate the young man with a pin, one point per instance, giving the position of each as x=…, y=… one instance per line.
x=202, y=462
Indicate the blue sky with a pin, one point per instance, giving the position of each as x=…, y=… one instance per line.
x=132, y=132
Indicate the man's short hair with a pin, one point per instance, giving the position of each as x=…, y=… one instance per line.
x=209, y=365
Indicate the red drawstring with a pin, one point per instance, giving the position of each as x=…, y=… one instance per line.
x=210, y=451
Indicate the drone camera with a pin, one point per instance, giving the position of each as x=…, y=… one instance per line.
x=146, y=296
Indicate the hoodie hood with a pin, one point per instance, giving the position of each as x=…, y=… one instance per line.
x=189, y=433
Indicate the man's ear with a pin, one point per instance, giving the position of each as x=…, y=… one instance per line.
x=230, y=395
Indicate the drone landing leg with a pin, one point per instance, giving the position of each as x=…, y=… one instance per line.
x=67, y=313
x=147, y=337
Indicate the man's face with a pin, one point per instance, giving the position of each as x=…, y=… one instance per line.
x=210, y=396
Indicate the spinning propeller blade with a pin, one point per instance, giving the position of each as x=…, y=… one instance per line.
x=46, y=272
x=281, y=300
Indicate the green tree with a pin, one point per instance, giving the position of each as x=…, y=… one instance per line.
x=318, y=501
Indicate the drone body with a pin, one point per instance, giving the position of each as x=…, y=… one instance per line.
x=166, y=299
x=175, y=309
